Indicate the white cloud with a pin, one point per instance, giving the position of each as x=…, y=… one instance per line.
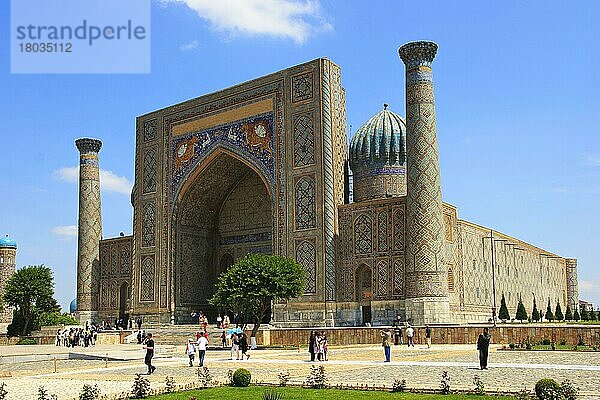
x=289, y=19
x=589, y=289
x=193, y=45
x=66, y=230
x=109, y=181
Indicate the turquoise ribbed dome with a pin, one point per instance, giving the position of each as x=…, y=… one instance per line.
x=379, y=143
x=73, y=306
x=8, y=242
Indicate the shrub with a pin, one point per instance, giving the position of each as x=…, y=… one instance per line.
x=241, y=377
x=56, y=318
x=141, y=387
x=3, y=391
x=580, y=342
x=511, y=345
x=204, y=377
x=284, y=378
x=547, y=389
x=27, y=341
x=43, y=394
x=568, y=391
x=584, y=314
x=546, y=342
x=563, y=342
x=89, y=392
x=524, y=394
x=399, y=385
x=169, y=384
x=535, y=314
x=568, y=313
x=576, y=316
x=549, y=314
x=317, y=378
x=479, y=387
x=272, y=395
x=445, y=383
x=230, y=377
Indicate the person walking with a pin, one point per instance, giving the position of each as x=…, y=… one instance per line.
x=202, y=346
x=410, y=333
x=149, y=346
x=386, y=340
x=312, y=345
x=190, y=350
x=219, y=321
x=224, y=339
x=324, y=336
x=483, y=345
x=138, y=322
x=244, y=346
x=235, y=346
x=428, y=336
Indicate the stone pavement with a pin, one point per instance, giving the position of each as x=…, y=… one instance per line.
x=355, y=365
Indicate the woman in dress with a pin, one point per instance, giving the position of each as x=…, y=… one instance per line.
x=235, y=346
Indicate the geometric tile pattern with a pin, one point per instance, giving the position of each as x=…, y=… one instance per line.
x=305, y=203
x=383, y=278
x=307, y=257
x=150, y=130
x=382, y=234
x=115, y=270
x=150, y=171
x=425, y=269
x=398, y=236
x=302, y=87
x=363, y=242
x=304, y=140
x=147, y=273
x=399, y=276
x=149, y=224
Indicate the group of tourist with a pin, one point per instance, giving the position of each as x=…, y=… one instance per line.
x=72, y=337
x=317, y=346
x=200, y=345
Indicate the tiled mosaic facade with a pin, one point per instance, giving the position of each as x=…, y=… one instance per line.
x=261, y=168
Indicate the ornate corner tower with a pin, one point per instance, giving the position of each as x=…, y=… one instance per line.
x=572, y=284
x=8, y=254
x=426, y=285
x=89, y=229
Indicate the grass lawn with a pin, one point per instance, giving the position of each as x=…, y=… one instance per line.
x=256, y=393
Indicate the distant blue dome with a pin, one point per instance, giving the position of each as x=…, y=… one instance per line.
x=8, y=242
x=73, y=306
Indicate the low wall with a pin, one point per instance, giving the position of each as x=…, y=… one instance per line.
x=502, y=334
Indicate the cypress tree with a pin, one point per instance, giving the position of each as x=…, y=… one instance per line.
x=592, y=314
x=504, y=315
x=576, y=316
x=558, y=313
x=521, y=312
x=535, y=314
x=584, y=314
x=568, y=314
x=549, y=316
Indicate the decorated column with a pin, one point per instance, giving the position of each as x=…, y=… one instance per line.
x=89, y=229
x=572, y=284
x=425, y=274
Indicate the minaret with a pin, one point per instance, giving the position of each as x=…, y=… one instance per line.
x=572, y=283
x=89, y=229
x=8, y=255
x=425, y=273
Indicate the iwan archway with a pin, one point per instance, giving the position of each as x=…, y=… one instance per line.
x=225, y=212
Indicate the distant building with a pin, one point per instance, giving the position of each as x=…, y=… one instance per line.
x=8, y=255
x=263, y=167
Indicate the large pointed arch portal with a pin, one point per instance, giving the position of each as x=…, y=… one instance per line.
x=224, y=212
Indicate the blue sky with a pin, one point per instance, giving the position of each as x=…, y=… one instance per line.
x=517, y=104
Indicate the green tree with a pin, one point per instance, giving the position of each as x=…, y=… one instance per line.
x=503, y=314
x=56, y=318
x=535, y=314
x=549, y=315
x=568, y=314
x=558, y=313
x=592, y=314
x=30, y=291
x=584, y=314
x=521, y=312
x=251, y=284
x=576, y=316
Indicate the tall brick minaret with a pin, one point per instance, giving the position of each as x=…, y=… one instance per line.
x=89, y=229
x=425, y=274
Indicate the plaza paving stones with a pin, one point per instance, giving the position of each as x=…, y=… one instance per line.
x=362, y=365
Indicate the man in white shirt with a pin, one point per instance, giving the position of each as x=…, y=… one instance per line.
x=410, y=333
x=202, y=346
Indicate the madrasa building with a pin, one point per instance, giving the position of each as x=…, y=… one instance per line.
x=264, y=167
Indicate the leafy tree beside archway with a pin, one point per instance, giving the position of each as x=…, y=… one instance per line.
x=30, y=291
x=251, y=284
